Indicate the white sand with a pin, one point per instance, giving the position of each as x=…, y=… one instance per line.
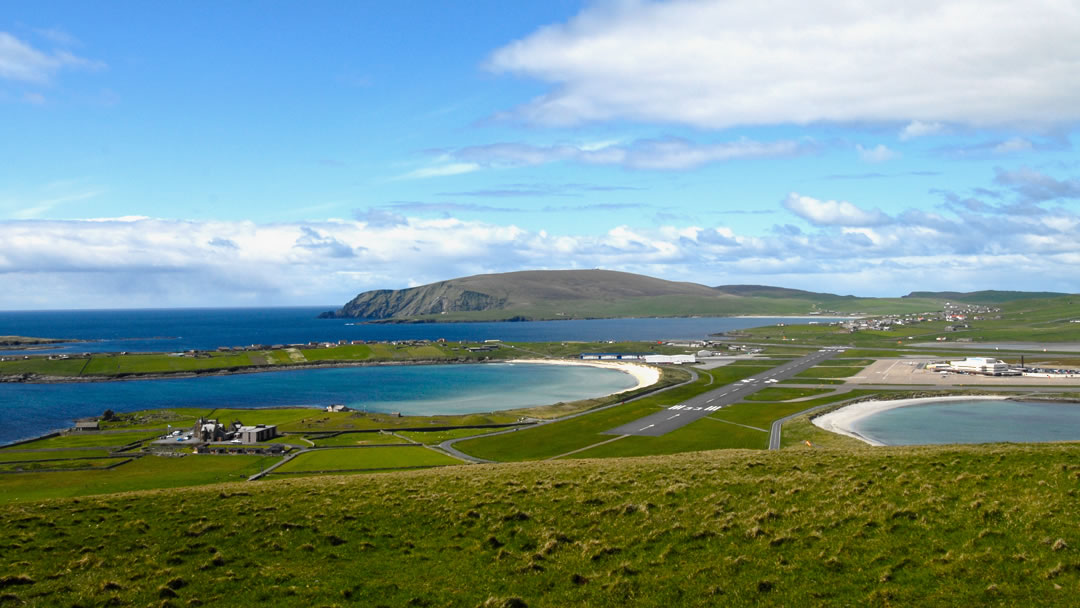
x=645, y=375
x=842, y=421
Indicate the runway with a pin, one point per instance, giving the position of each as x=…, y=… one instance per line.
x=696, y=408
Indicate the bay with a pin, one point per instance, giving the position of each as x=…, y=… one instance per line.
x=168, y=330
x=29, y=410
x=975, y=421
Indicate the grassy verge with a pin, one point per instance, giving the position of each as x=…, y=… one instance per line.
x=943, y=526
x=345, y=459
x=784, y=394
x=437, y=437
x=354, y=439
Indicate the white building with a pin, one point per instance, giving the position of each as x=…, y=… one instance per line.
x=981, y=365
x=676, y=359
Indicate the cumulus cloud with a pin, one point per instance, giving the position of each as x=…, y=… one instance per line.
x=722, y=64
x=22, y=62
x=153, y=262
x=832, y=213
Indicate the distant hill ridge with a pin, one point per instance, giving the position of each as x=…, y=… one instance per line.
x=576, y=294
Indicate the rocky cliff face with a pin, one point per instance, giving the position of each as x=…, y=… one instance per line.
x=425, y=300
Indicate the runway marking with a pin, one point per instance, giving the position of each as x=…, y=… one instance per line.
x=675, y=416
x=646, y=427
x=711, y=400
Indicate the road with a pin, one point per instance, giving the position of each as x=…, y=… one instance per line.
x=679, y=415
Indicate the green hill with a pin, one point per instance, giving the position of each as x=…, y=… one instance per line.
x=579, y=294
x=986, y=297
x=940, y=526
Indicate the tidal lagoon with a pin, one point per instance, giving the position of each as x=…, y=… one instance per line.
x=955, y=420
x=28, y=410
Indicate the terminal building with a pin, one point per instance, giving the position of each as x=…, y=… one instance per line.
x=981, y=365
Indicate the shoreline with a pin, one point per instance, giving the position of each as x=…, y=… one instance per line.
x=842, y=420
x=637, y=370
x=643, y=374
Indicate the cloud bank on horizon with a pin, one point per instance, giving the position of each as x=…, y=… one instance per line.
x=871, y=148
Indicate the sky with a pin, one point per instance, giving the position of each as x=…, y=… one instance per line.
x=178, y=154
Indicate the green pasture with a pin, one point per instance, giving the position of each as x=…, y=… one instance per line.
x=354, y=439
x=86, y=439
x=15, y=455
x=348, y=459
x=148, y=472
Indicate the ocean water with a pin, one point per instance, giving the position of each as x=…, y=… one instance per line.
x=28, y=410
x=182, y=329
x=975, y=421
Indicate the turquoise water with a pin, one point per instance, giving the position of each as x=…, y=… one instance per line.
x=29, y=410
x=975, y=421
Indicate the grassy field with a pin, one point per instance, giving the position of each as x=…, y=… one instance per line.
x=829, y=371
x=346, y=459
x=16, y=455
x=353, y=439
x=85, y=440
x=777, y=393
x=144, y=473
x=437, y=437
x=942, y=526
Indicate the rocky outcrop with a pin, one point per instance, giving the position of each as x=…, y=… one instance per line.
x=426, y=300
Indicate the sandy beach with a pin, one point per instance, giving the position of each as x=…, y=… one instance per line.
x=645, y=375
x=841, y=421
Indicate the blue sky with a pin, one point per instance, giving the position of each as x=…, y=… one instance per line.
x=274, y=153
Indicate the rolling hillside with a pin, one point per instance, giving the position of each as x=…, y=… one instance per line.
x=937, y=526
x=590, y=294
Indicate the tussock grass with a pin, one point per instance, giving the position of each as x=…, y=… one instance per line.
x=946, y=526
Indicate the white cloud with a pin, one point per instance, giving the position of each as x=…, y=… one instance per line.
x=663, y=154
x=139, y=262
x=917, y=128
x=22, y=62
x=878, y=154
x=721, y=64
x=1013, y=145
x=832, y=213
x=442, y=170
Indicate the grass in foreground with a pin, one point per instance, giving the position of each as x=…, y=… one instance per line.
x=943, y=526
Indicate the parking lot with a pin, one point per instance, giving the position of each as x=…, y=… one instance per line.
x=909, y=371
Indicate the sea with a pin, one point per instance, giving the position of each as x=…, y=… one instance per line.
x=975, y=421
x=28, y=410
